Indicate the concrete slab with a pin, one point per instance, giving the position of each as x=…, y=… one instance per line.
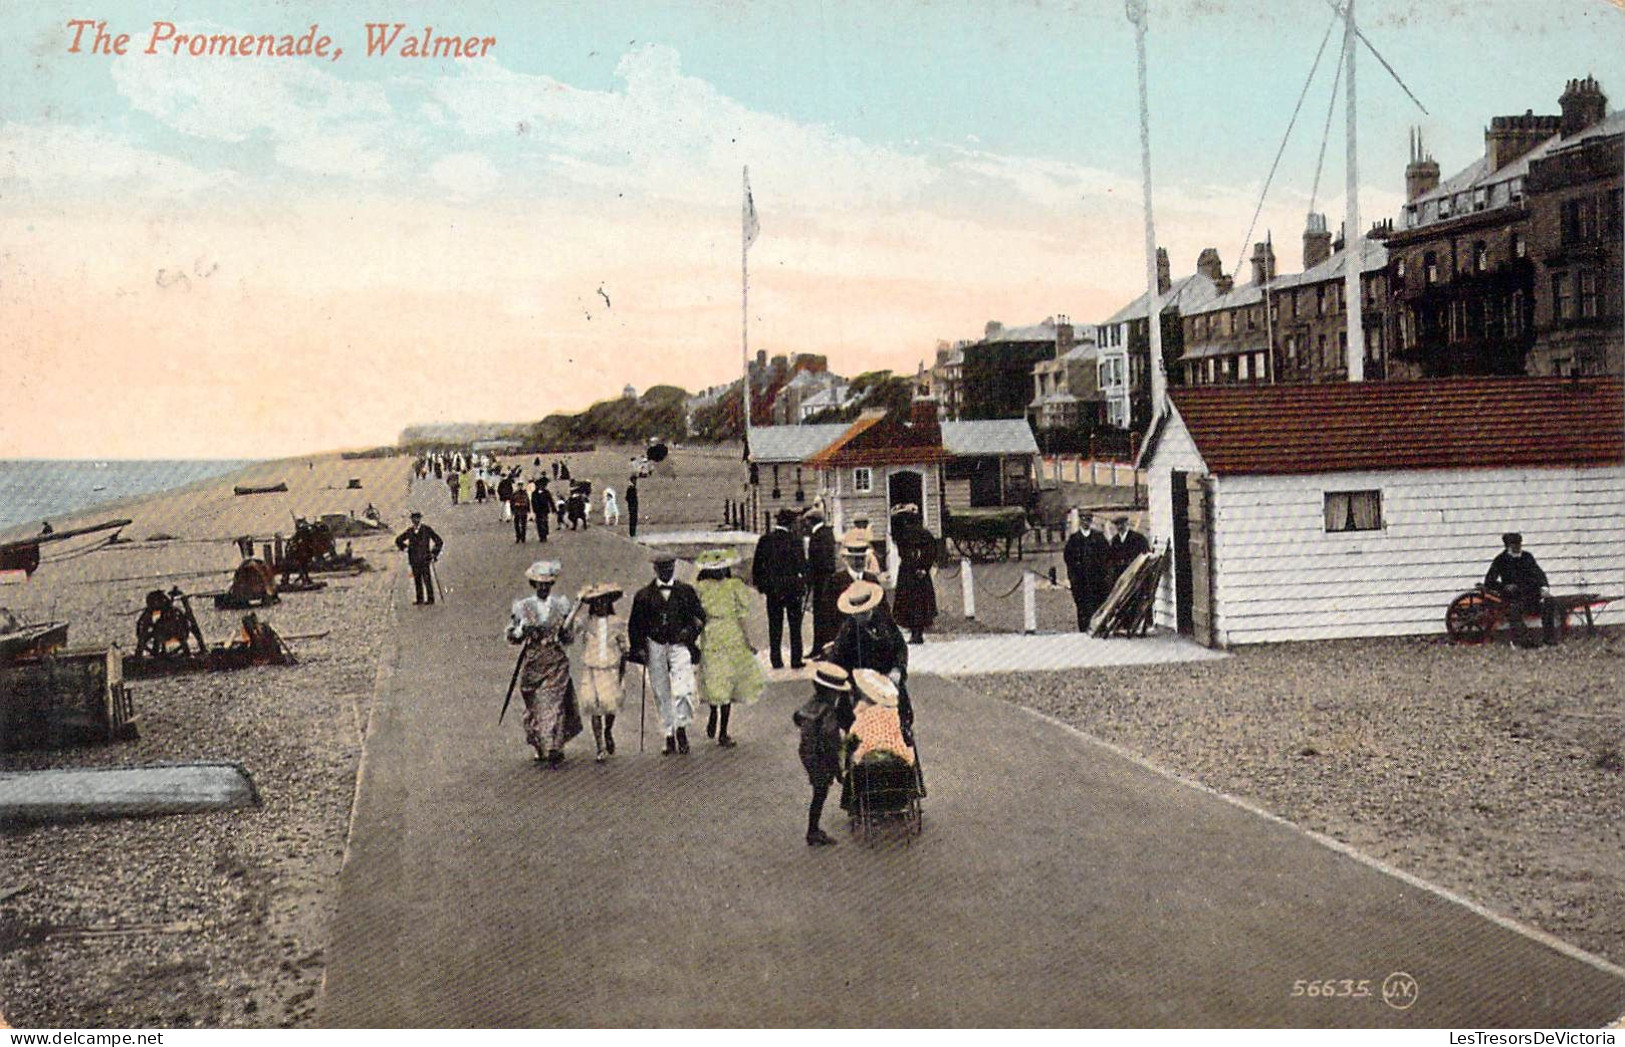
x=1015, y=653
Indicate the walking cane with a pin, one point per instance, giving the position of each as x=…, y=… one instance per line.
x=434, y=572
x=643, y=703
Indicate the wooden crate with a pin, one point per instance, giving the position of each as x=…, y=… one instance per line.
x=75, y=697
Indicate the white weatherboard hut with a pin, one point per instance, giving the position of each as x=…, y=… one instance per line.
x=1305, y=512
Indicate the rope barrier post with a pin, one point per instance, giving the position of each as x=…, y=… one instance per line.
x=967, y=588
x=1029, y=602
x=892, y=562
x=1077, y=470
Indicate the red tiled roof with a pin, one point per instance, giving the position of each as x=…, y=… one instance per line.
x=875, y=439
x=1444, y=423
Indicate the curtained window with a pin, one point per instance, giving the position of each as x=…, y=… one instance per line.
x=1353, y=511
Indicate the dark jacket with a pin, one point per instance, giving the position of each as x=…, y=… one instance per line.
x=1520, y=572
x=1087, y=555
x=632, y=497
x=822, y=720
x=505, y=488
x=821, y=558
x=422, y=545
x=541, y=502
x=914, y=602
x=674, y=619
x=827, y=601
x=879, y=645
x=1124, y=548
x=779, y=567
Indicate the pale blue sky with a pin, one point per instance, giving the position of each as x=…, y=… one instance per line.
x=919, y=168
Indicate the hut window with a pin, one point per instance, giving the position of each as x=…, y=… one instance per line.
x=863, y=480
x=1353, y=511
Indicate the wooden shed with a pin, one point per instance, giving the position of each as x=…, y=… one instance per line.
x=990, y=462
x=1302, y=512
x=882, y=462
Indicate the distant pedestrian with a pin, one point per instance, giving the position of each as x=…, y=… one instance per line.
x=730, y=673
x=564, y=470
x=422, y=546
x=479, y=488
x=821, y=720
x=914, y=595
x=664, y=630
x=452, y=481
x=505, y=495
x=603, y=663
x=465, y=486
x=541, y=507
x=554, y=464
x=822, y=563
x=1127, y=545
x=612, y=508
x=1086, y=554
x=779, y=572
x=632, y=506
x=542, y=622
x=519, y=501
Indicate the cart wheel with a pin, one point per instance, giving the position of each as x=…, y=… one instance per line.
x=1472, y=618
x=980, y=550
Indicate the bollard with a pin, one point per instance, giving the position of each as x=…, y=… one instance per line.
x=267, y=555
x=892, y=561
x=967, y=587
x=1052, y=579
x=1077, y=470
x=1029, y=602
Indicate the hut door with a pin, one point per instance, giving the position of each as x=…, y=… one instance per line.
x=1182, y=549
x=1199, y=515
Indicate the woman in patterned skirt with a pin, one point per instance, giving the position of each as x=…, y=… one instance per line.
x=542, y=623
x=728, y=669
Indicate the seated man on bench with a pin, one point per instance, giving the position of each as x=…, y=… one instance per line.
x=1516, y=576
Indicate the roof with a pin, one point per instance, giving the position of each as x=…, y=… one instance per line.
x=990, y=436
x=876, y=439
x=1043, y=331
x=1441, y=423
x=1188, y=292
x=1477, y=174
x=1373, y=255
x=791, y=443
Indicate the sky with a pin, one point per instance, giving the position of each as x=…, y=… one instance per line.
x=215, y=256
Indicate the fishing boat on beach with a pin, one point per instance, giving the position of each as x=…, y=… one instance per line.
x=19, y=639
x=281, y=488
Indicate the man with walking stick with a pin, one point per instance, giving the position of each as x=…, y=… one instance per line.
x=664, y=629
x=422, y=547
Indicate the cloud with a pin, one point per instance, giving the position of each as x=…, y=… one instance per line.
x=465, y=175
x=47, y=157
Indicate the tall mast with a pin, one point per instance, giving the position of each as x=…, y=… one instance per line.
x=1136, y=11
x=1353, y=242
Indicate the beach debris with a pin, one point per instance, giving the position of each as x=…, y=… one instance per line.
x=79, y=794
x=8, y=893
x=253, y=584
x=256, y=643
x=24, y=555
x=21, y=640
x=71, y=696
x=166, y=627
x=311, y=550
x=277, y=488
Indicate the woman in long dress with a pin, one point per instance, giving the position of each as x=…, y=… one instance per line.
x=542, y=622
x=603, y=639
x=914, y=600
x=728, y=667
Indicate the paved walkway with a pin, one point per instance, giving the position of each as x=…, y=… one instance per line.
x=1056, y=884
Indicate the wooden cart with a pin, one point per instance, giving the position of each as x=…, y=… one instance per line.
x=985, y=534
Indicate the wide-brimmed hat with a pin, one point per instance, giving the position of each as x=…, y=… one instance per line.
x=876, y=686
x=831, y=676
x=906, y=507
x=543, y=571
x=417, y=516
x=601, y=591
x=855, y=541
x=716, y=560
x=860, y=596
x=662, y=556
x=813, y=513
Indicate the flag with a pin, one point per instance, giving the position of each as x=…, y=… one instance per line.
x=751, y=226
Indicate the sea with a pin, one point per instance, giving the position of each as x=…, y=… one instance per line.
x=33, y=491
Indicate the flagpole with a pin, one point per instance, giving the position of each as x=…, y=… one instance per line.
x=744, y=313
x=1353, y=254
x=1136, y=12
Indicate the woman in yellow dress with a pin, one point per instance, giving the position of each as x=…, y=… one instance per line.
x=728, y=667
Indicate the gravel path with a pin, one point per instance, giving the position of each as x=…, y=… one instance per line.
x=1494, y=772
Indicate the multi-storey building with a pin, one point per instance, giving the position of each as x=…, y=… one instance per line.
x=1066, y=389
x=1123, y=342
x=997, y=371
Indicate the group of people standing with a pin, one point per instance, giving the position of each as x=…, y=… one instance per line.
x=1094, y=561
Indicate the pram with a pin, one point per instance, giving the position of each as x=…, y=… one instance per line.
x=883, y=786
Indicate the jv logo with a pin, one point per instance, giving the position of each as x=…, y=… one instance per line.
x=1399, y=991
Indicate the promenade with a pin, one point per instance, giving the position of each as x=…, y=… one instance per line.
x=1057, y=882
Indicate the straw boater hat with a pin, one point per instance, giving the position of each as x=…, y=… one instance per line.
x=601, y=591
x=875, y=686
x=831, y=676
x=906, y=507
x=855, y=541
x=716, y=560
x=543, y=571
x=662, y=556
x=859, y=597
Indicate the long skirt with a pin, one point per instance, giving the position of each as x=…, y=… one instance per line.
x=551, y=714
x=600, y=691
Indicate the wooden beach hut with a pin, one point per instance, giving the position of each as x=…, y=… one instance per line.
x=1302, y=512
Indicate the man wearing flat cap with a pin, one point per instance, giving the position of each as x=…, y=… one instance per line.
x=1126, y=545
x=779, y=572
x=664, y=631
x=1515, y=575
x=422, y=547
x=822, y=563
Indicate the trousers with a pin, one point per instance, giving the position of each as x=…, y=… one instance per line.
x=781, y=610
x=671, y=677
x=423, y=582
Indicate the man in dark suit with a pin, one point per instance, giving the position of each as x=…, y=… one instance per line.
x=779, y=572
x=1515, y=575
x=1126, y=544
x=1086, y=554
x=663, y=635
x=856, y=551
x=541, y=504
x=632, y=506
x=422, y=547
x=821, y=566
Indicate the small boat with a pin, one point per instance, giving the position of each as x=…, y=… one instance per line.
x=280, y=488
x=99, y=487
x=29, y=640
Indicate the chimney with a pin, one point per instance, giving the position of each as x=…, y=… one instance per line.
x=1342, y=234
x=1209, y=264
x=993, y=329
x=1317, y=242
x=1065, y=336
x=923, y=418
x=1509, y=137
x=1263, y=262
x=761, y=359
x=1422, y=173
x=1164, y=280
x=1583, y=104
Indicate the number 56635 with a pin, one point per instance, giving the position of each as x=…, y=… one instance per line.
x=1321, y=987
